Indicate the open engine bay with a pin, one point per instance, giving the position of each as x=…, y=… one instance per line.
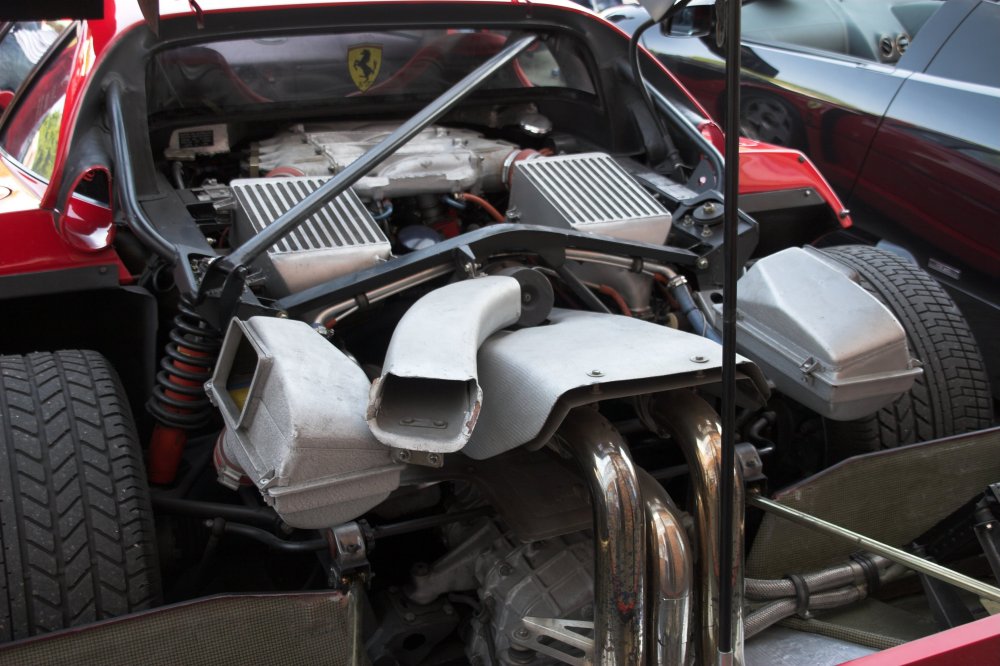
x=484, y=366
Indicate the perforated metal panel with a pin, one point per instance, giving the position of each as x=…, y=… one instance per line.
x=304, y=628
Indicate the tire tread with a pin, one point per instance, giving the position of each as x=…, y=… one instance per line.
x=77, y=532
x=952, y=396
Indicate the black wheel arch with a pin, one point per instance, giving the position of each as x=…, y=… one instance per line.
x=120, y=323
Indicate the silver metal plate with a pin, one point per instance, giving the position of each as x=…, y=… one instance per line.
x=532, y=377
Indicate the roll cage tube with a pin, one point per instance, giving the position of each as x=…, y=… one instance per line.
x=228, y=272
x=141, y=225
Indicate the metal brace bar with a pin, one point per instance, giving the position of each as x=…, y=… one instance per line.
x=895, y=554
x=562, y=631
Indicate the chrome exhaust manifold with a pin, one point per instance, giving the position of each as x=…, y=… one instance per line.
x=644, y=563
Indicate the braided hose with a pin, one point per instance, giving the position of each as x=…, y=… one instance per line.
x=774, y=612
x=850, y=573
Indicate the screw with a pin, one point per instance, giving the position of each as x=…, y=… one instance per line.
x=807, y=193
x=506, y=569
x=409, y=617
x=708, y=208
x=706, y=231
x=406, y=420
x=433, y=458
x=281, y=314
x=402, y=456
x=699, y=359
x=702, y=263
x=440, y=423
x=595, y=373
x=521, y=633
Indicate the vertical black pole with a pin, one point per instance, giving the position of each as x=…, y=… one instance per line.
x=731, y=217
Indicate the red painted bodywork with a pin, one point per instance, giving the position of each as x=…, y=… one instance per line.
x=973, y=644
x=38, y=247
x=763, y=168
x=763, y=165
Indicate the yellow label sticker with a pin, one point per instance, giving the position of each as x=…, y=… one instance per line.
x=364, y=62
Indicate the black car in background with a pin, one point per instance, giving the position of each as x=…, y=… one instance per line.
x=898, y=104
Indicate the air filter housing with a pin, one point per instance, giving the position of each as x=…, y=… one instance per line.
x=587, y=192
x=341, y=238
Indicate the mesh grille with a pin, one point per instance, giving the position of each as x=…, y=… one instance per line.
x=591, y=189
x=893, y=496
x=307, y=628
x=343, y=222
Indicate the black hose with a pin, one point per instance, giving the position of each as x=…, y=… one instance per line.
x=581, y=291
x=184, y=507
x=417, y=524
x=673, y=155
x=678, y=287
x=270, y=540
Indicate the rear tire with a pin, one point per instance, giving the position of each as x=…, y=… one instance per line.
x=952, y=396
x=77, y=539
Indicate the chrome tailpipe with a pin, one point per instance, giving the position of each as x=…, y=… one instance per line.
x=619, y=537
x=697, y=429
x=670, y=585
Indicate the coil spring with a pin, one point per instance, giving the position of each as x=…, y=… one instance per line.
x=179, y=399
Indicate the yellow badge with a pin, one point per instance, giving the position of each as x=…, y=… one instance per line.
x=364, y=62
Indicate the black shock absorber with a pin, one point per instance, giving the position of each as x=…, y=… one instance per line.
x=179, y=403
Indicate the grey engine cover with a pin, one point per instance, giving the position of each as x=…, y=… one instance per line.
x=531, y=377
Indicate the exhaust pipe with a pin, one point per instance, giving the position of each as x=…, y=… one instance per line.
x=428, y=397
x=670, y=576
x=619, y=537
x=698, y=431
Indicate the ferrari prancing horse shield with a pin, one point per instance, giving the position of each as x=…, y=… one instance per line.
x=364, y=62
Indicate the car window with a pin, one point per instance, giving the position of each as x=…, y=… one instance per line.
x=972, y=54
x=31, y=132
x=23, y=47
x=308, y=68
x=875, y=30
